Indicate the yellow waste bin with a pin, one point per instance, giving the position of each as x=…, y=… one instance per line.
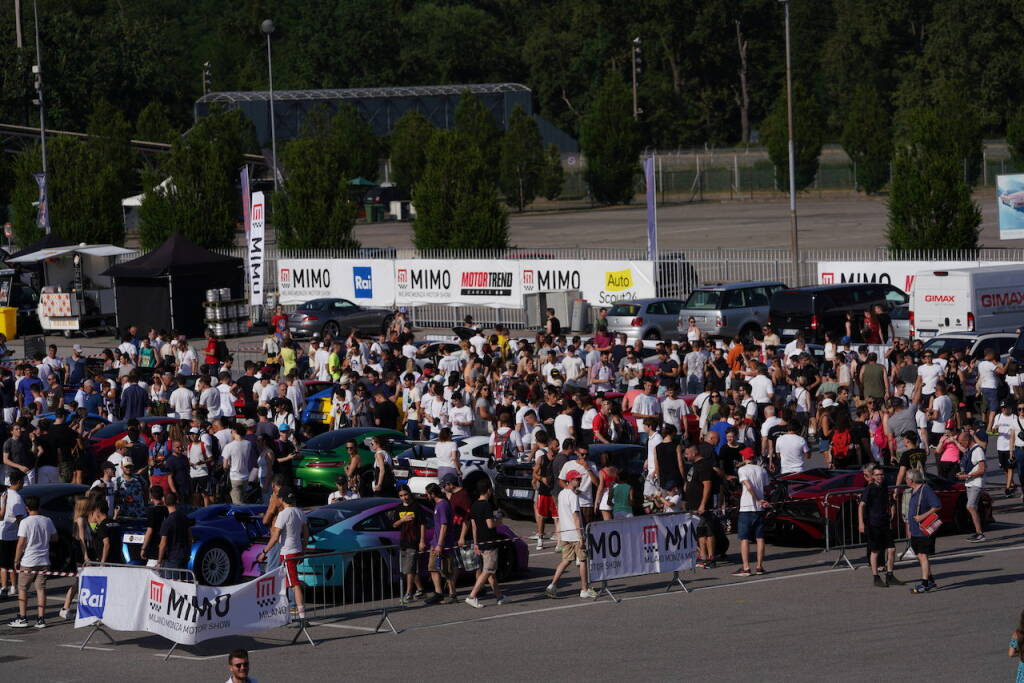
x=9, y=322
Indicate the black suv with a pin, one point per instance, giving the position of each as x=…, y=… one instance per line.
x=819, y=309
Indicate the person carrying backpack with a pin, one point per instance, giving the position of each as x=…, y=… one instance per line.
x=506, y=443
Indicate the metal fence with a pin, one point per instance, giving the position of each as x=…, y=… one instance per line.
x=677, y=271
x=842, y=522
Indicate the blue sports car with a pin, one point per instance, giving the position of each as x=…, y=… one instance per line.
x=338, y=529
x=226, y=539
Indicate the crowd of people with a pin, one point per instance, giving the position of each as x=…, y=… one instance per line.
x=713, y=415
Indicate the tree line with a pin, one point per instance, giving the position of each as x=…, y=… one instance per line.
x=878, y=76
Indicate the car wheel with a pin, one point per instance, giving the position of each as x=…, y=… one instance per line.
x=386, y=324
x=652, y=334
x=330, y=328
x=215, y=565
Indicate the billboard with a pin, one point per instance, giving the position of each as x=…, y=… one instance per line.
x=897, y=273
x=1010, y=200
x=601, y=283
x=494, y=283
x=366, y=282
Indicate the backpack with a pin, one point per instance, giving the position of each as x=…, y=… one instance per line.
x=841, y=443
x=506, y=448
x=965, y=460
x=222, y=351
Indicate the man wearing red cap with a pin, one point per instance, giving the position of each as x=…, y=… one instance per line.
x=753, y=479
x=571, y=530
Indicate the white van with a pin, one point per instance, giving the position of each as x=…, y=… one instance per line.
x=968, y=300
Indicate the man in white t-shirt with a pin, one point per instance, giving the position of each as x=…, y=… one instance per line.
x=570, y=524
x=563, y=426
x=770, y=420
x=460, y=416
x=498, y=445
x=181, y=399
x=674, y=409
x=573, y=369
x=988, y=383
x=12, y=511
x=588, y=481
x=236, y=461
x=761, y=388
x=930, y=373
x=974, y=481
x=35, y=534
x=753, y=479
x=940, y=412
x=792, y=449
x=291, y=531
x=209, y=398
x=650, y=427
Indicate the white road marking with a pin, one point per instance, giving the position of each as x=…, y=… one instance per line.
x=11, y=640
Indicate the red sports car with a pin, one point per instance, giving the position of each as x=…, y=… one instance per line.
x=802, y=514
x=101, y=443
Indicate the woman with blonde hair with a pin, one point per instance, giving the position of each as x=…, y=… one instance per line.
x=81, y=539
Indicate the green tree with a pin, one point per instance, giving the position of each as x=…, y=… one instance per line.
x=316, y=207
x=958, y=118
x=554, y=175
x=154, y=124
x=610, y=142
x=457, y=206
x=194, y=191
x=1015, y=136
x=23, y=194
x=476, y=126
x=409, y=140
x=867, y=138
x=808, y=136
x=522, y=159
x=930, y=205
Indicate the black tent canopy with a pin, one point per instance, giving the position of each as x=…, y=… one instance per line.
x=166, y=288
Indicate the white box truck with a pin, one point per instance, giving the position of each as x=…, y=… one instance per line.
x=968, y=300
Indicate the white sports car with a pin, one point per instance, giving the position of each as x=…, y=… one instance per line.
x=419, y=465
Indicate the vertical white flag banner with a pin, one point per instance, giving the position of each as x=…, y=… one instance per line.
x=256, y=249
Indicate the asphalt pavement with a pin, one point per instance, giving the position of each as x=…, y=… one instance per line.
x=802, y=621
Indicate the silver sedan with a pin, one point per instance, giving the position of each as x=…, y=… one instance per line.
x=337, y=317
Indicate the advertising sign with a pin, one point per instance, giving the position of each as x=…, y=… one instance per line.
x=897, y=273
x=601, y=282
x=366, y=282
x=494, y=283
x=1010, y=200
x=256, y=249
x=185, y=613
x=636, y=546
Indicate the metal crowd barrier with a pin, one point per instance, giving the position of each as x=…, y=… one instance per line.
x=352, y=583
x=842, y=522
x=183, y=575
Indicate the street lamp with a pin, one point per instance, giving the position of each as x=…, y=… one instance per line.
x=268, y=27
x=793, y=239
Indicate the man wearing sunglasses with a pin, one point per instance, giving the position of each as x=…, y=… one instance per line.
x=238, y=665
x=874, y=514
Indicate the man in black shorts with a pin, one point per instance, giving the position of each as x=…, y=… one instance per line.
x=875, y=521
x=700, y=478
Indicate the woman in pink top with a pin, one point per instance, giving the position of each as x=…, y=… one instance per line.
x=949, y=451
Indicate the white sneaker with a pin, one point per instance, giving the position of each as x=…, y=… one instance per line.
x=473, y=602
x=500, y=601
x=540, y=544
x=591, y=593
x=63, y=613
x=535, y=537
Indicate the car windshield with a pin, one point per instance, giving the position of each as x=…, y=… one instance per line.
x=951, y=344
x=320, y=519
x=704, y=299
x=624, y=310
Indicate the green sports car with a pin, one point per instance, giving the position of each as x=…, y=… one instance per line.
x=324, y=457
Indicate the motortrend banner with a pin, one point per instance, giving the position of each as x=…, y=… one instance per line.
x=140, y=599
x=637, y=546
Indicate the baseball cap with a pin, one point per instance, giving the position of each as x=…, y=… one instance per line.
x=283, y=427
x=671, y=484
x=77, y=347
x=748, y=453
x=449, y=479
x=341, y=479
x=156, y=429
x=827, y=403
x=194, y=430
x=573, y=474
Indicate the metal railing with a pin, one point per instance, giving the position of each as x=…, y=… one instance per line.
x=842, y=522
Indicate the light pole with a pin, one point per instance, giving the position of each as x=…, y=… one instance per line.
x=268, y=27
x=794, y=243
x=38, y=71
x=637, y=66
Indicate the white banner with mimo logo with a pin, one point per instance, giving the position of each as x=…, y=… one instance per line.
x=140, y=599
x=366, y=282
x=650, y=544
x=896, y=273
x=499, y=283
